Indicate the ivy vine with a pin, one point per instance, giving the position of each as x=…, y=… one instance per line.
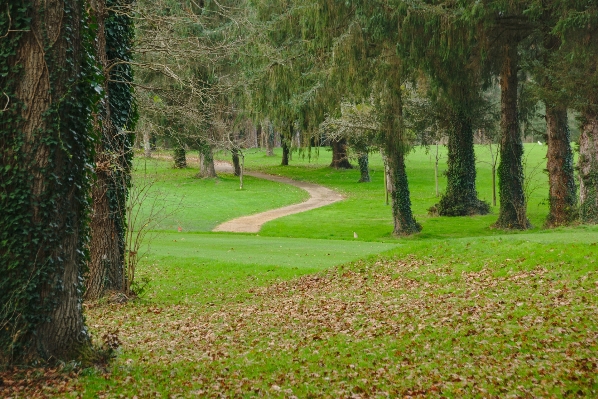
x=35, y=221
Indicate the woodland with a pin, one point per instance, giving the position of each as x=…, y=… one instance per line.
x=460, y=261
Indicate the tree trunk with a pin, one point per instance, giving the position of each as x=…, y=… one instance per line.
x=588, y=167
x=45, y=150
x=147, y=145
x=109, y=192
x=396, y=147
x=270, y=141
x=513, y=213
x=461, y=197
x=258, y=135
x=206, y=162
x=180, y=157
x=562, y=190
x=106, y=264
x=284, y=142
x=236, y=162
x=364, y=169
x=404, y=222
x=437, y=158
x=340, y=160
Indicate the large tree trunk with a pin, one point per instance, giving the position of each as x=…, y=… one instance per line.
x=45, y=150
x=180, y=157
x=206, y=162
x=513, y=213
x=461, y=197
x=588, y=167
x=113, y=159
x=562, y=190
x=340, y=160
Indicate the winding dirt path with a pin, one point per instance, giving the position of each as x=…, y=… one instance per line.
x=319, y=196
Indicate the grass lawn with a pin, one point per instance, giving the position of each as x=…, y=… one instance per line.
x=303, y=309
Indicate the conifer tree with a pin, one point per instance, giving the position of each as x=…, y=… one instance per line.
x=577, y=27
x=435, y=40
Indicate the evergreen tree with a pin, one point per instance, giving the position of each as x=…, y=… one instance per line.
x=437, y=41
x=577, y=28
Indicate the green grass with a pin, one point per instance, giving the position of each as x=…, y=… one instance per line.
x=365, y=210
x=211, y=267
x=201, y=204
x=303, y=309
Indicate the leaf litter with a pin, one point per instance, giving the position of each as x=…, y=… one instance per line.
x=388, y=328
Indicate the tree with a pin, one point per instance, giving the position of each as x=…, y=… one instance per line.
x=113, y=153
x=50, y=82
x=335, y=52
x=437, y=41
x=499, y=27
x=359, y=127
x=577, y=28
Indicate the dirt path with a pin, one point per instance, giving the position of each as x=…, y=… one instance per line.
x=319, y=196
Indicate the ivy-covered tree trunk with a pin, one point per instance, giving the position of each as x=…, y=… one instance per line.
x=461, y=196
x=513, y=213
x=270, y=141
x=113, y=152
x=180, y=157
x=364, y=167
x=285, y=144
x=206, y=162
x=47, y=71
x=396, y=147
x=340, y=160
x=588, y=167
x=236, y=162
x=562, y=190
x=404, y=222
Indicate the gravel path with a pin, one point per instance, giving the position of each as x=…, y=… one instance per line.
x=319, y=196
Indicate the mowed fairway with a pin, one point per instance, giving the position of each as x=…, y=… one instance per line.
x=304, y=309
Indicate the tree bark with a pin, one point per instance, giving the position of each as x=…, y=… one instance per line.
x=236, y=162
x=206, y=162
x=106, y=265
x=588, y=167
x=270, y=141
x=258, y=135
x=562, y=190
x=461, y=197
x=340, y=160
x=180, y=157
x=284, y=142
x=396, y=147
x=364, y=170
x=45, y=143
x=513, y=213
